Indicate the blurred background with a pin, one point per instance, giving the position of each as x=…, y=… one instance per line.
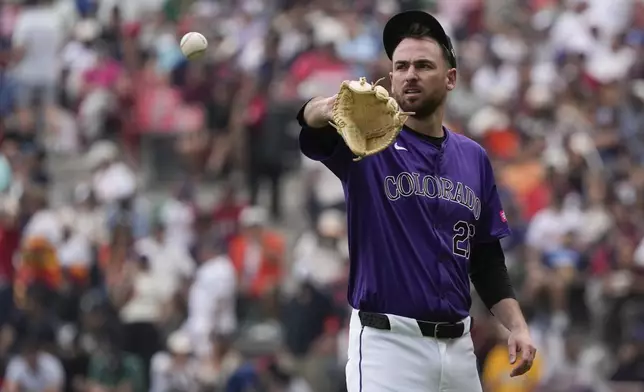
x=160, y=231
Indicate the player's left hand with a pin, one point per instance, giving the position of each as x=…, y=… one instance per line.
x=521, y=348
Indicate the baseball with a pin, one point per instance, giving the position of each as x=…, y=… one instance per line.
x=193, y=45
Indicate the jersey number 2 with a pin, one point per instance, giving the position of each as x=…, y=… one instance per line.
x=463, y=233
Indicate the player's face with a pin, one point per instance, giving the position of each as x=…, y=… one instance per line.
x=421, y=77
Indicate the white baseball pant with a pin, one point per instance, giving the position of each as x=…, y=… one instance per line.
x=402, y=359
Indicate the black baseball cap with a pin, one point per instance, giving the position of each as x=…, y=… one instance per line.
x=398, y=25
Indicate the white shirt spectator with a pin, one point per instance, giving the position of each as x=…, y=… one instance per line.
x=48, y=375
x=178, y=219
x=323, y=265
x=167, y=377
x=168, y=262
x=595, y=223
x=505, y=80
x=170, y=373
x=146, y=304
x=115, y=182
x=75, y=252
x=92, y=224
x=327, y=188
x=77, y=58
x=508, y=47
x=45, y=224
x=548, y=227
x=571, y=32
x=212, y=302
x=611, y=17
x=607, y=65
x=40, y=32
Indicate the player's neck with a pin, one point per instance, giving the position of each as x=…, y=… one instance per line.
x=431, y=125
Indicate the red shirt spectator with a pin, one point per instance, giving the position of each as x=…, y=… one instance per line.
x=257, y=253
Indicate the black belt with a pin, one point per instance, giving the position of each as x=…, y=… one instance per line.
x=428, y=329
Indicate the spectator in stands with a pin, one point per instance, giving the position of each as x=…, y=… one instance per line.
x=175, y=369
x=110, y=367
x=546, y=235
x=223, y=361
x=34, y=369
x=112, y=179
x=218, y=110
x=263, y=150
x=38, y=36
x=98, y=98
x=178, y=215
x=321, y=254
x=568, y=370
x=225, y=216
x=86, y=216
x=143, y=298
x=310, y=322
x=75, y=256
x=322, y=189
x=170, y=259
x=279, y=378
x=258, y=256
x=79, y=56
x=212, y=297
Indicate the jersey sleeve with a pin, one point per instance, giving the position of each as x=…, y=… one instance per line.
x=325, y=145
x=492, y=224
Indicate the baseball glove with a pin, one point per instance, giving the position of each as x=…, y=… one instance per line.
x=368, y=119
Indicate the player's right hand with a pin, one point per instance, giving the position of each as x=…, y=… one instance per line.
x=319, y=111
x=521, y=348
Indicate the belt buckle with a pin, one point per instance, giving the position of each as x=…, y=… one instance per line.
x=435, y=333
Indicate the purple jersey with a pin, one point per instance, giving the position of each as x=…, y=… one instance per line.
x=413, y=212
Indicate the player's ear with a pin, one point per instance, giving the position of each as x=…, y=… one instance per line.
x=391, y=79
x=451, y=79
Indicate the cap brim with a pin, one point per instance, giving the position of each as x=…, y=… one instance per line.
x=398, y=25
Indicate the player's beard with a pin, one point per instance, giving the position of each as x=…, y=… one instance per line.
x=423, y=106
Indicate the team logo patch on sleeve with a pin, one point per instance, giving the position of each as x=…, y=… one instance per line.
x=502, y=215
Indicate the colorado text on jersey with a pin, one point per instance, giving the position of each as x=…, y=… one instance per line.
x=414, y=184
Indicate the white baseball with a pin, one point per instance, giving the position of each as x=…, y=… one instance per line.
x=193, y=45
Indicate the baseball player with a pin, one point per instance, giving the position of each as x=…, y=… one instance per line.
x=424, y=218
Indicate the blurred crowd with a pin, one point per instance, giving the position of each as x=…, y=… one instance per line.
x=106, y=285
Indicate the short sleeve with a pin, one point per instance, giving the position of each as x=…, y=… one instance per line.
x=324, y=145
x=492, y=224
